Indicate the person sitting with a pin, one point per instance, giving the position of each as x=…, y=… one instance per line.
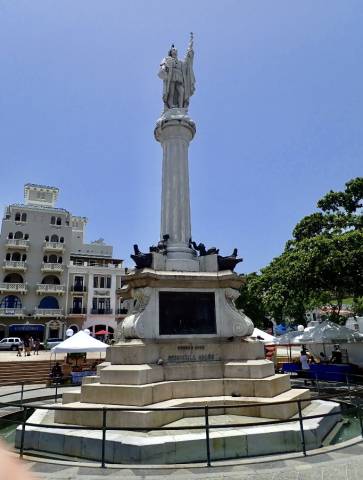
x=56, y=373
x=336, y=356
x=322, y=358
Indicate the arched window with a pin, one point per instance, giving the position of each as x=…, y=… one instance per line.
x=60, y=260
x=8, y=257
x=53, y=258
x=18, y=235
x=52, y=220
x=13, y=278
x=54, y=238
x=23, y=217
x=45, y=259
x=16, y=257
x=11, y=301
x=17, y=217
x=11, y=235
x=61, y=239
x=49, y=302
x=23, y=258
x=51, y=280
x=26, y=236
x=59, y=221
x=47, y=238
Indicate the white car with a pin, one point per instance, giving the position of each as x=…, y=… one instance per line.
x=10, y=343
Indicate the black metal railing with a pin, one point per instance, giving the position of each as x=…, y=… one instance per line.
x=78, y=288
x=78, y=311
x=355, y=406
x=122, y=311
x=101, y=311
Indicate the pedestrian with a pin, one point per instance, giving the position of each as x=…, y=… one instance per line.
x=31, y=345
x=36, y=346
x=305, y=367
x=19, y=349
x=26, y=347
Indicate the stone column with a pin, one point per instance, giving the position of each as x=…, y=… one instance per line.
x=174, y=131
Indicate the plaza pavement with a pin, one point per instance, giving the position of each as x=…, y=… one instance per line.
x=343, y=464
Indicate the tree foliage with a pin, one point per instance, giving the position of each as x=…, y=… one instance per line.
x=322, y=263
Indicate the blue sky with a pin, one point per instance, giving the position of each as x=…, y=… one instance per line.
x=278, y=109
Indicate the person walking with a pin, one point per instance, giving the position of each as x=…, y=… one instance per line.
x=19, y=349
x=36, y=346
x=26, y=347
x=305, y=367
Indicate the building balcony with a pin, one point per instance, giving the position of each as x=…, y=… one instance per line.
x=50, y=288
x=101, y=311
x=7, y=287
x=15, y=266
x=48, y=312
x=78, y=289
x=52, y=267
x=17, y=243
x=12, y=312
x=76, y=312
x=53, y=247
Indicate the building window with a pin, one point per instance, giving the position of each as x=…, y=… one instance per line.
x=54, y=238
x=52, y=221
x=61, y=239
x=17, y=217
x=26, y=236
x=8, y=257
x=11, y=301
x=50, y=280
x=23, y=258
x=49, y=302
x=102, y=281
x=18, y=235
x=13, y=278
x=47, y=238
x=59, y=221
x=16, y=257
x=23, y=217
x=101, y=305
x=11, y=235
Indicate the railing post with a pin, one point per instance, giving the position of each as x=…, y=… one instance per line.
x=23, y=432
x=207, y=434
x=348, y=385
x=317, y=383
x=56, y=390
x=359, y=413
x=22, y=393
x=301, y=428
x=104, y=413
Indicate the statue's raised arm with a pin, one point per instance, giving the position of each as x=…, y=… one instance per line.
x=178, y=78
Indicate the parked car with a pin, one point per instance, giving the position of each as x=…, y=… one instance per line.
x=10, y=343
x=52, y=342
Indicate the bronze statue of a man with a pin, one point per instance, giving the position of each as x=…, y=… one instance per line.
x=178, y=78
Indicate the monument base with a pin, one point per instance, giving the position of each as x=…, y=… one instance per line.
x=183, y=446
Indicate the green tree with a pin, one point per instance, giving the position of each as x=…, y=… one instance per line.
x=322, y=264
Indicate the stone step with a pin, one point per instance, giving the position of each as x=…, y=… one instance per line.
x=141, y=374
x=141, y=395
x=148, y=419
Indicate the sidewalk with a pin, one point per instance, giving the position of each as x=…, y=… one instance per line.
x=343, y=464
x=7, y=356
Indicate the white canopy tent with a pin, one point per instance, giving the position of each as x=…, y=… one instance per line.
x=266, y=337
x=80, y=342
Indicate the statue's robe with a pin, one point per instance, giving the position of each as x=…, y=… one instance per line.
x=166, y=74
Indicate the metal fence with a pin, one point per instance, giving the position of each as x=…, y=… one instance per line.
x=354, y=404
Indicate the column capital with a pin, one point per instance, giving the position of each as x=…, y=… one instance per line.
x=168, y=125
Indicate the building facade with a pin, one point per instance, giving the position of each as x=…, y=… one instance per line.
x=52, y=280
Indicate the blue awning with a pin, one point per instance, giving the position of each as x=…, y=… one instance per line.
x=26, y=328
